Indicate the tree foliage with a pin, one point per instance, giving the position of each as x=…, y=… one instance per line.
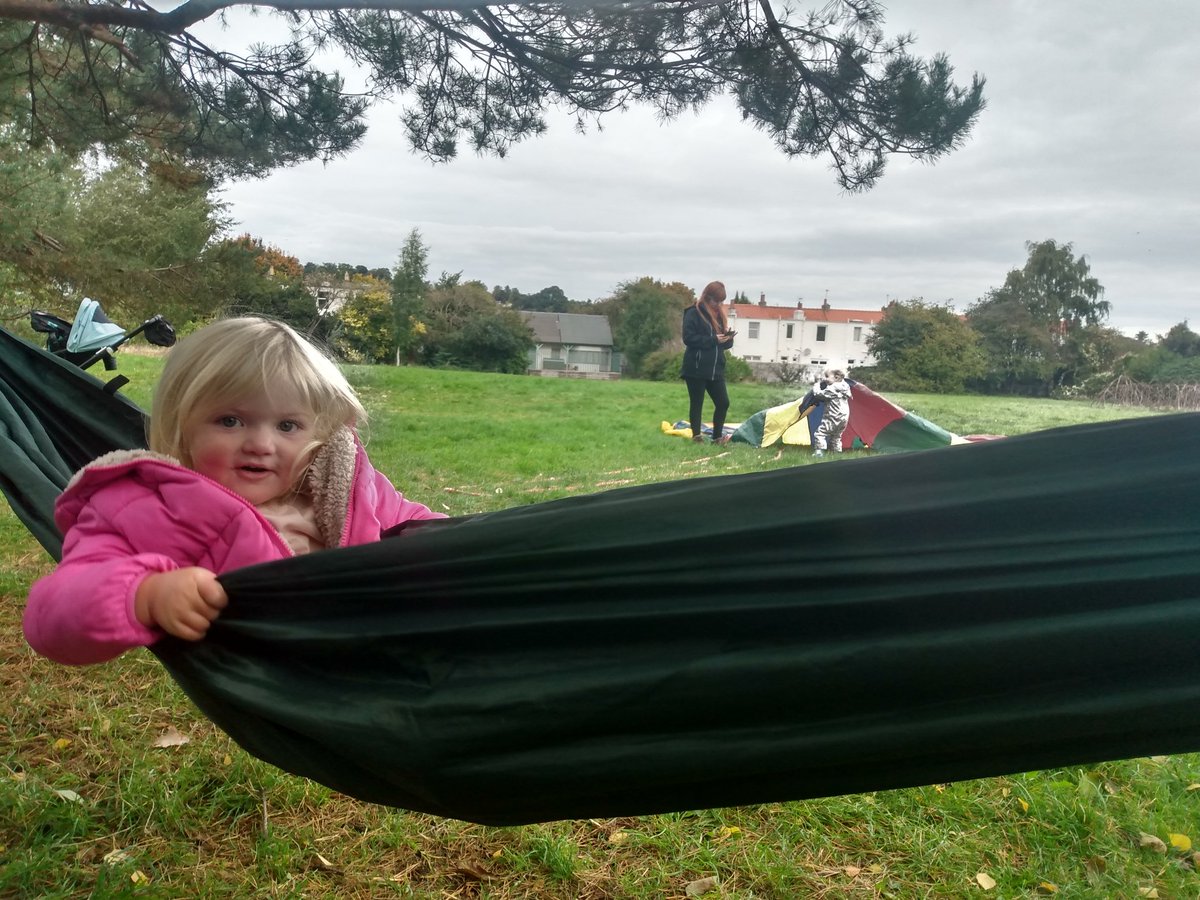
x=925, y=347
x=1174, y=359
x=122, y=74
x=466, y=328
x=490, y=343
x=1043, y=328
x=644, y=315
x=408, y=296
x=272, y=285
x=363, y=326
x=116, y=233
x=548, y=299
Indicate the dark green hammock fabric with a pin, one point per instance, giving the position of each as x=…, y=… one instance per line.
x=878, y=623
x=54, y=418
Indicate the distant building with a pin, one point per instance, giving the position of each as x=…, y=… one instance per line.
x=816, y=337
x=572, y=345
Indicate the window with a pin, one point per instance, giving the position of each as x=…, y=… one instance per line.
x=753, y=330
x=858, y=332
x=821, y=329
x=789, y=329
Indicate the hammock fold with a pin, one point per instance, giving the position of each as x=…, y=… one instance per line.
x=877, y=623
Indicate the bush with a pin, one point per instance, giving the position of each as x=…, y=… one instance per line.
x=661, y=365
x=664, y=365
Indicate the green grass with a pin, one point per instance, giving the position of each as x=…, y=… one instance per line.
x=89, y=807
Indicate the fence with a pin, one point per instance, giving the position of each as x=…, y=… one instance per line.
x=1127, y=392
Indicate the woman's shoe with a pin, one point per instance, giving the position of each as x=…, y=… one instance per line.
x=698, y=438
x=723, y=439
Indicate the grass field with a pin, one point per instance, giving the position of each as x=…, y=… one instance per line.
x=90, y=805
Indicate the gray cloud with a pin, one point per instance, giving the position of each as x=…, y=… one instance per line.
x=1088, y=138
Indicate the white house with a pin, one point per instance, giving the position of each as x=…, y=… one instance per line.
x=817, y=337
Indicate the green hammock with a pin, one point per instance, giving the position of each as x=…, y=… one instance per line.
x=879, y=623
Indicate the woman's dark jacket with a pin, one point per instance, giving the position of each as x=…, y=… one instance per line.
x=702, y=358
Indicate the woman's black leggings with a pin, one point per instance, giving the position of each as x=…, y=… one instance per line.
x=720, y=398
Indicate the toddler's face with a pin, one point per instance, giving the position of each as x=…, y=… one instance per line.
x=254, y=447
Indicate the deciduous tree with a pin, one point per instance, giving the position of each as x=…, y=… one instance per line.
x=1043, y=328
x=648, y=314
x=925, y=347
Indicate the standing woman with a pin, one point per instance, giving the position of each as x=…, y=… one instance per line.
x=706, y=337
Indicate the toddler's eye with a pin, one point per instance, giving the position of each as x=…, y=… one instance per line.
x=287, y=426
x=228, y=421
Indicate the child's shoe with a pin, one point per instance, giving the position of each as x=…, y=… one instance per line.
x=818, y=453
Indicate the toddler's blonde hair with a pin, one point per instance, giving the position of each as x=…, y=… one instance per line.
x=232, y=359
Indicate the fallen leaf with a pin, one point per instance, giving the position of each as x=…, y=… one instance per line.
x=498, y=853
x=139, y=877
x=1196, y=861
x=116, y=857
x=1046, y=887
x=1154, y=843
x=227, y=760
x=1180, y=842
x=70, y=795
x=62, y=743
x=852, y=871
x=1024, y=804
x=472, y=871
x=1193, y=787
x=985, y=881
x=725, y=832
x=701, y=886
x=172, y=737
x=325, y=864
x=1151, y=892
x=1159, y=760
x=875, y=869
x=618, y=837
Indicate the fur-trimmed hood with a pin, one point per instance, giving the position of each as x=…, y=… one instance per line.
x=328, y=480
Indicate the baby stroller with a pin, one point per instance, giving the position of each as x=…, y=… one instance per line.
x=93, y=337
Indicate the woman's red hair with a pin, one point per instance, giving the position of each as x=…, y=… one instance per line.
x=712, y=306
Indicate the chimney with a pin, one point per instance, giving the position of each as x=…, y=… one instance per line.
x=762, y=299
x=799, y=304
x=825, y=304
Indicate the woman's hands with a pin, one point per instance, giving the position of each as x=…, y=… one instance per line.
x=182, y=602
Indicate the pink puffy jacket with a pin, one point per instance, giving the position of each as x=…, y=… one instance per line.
x=133, y=513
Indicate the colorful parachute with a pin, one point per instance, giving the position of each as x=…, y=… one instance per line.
x=875, y=422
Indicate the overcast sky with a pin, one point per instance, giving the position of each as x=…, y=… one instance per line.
x=1090, y=137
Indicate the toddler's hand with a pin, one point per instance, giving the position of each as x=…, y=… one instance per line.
x=183, y=602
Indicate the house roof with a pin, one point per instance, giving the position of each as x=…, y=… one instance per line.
x=807, y=313
x=569, y=328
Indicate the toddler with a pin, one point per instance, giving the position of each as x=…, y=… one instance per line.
x=253, y=457
x=835, y=391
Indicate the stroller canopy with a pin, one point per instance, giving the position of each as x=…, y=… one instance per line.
x=92, y=330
